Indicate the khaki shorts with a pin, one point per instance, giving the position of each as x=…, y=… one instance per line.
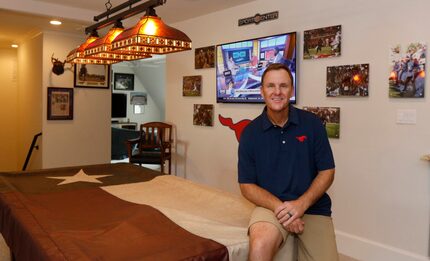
x=265, y=215
x=317, y=242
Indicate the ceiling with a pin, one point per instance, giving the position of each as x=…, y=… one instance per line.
x=19, y=25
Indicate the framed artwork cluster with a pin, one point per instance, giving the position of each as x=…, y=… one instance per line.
x=60, y=100
x=406, y=78
x=243, y=62
x=341, y=81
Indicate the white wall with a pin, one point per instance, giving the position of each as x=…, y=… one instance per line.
x=86, y=138
x=381, y=192
x=146, y=77
x=8, y=115
x=152, y=75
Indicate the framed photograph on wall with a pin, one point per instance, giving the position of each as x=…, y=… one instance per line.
x=348, y=80
x=92, y=76
x=204, y=57
x=330, y=117
x=192, y=85
x=123, y=82
x=322, y=42
x=60, y=103
x=203, y=115
x=138, y=98
x=407, y=70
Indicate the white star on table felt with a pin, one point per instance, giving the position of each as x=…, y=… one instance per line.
x=80, y=176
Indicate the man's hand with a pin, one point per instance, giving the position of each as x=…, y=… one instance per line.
x=297, y=226
x=290, y=211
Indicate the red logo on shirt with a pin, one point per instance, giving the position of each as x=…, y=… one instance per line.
x=301, y=138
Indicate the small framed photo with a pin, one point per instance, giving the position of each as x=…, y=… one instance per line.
x=123, y=82
x=330, y=117
x=204, y=57
x=60, y=103
x=348, y=80
x=92, y=76
x=322, y=42
x=203, y=115
x=192, y=85
x=138, y=98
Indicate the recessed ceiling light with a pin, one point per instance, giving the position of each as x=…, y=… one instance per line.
x=55, y=22
x=14, y=45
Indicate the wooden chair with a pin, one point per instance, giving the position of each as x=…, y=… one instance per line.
x=153, y=146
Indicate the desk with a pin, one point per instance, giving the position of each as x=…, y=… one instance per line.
x=125, y=125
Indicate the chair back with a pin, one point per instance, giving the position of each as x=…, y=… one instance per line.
x=155, y=135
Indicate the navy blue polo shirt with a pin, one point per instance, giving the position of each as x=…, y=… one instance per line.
x=285, y=160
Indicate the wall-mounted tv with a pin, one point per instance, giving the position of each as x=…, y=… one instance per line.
x=119, y=105
x=240, y=65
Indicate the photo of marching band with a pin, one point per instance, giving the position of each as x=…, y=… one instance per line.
x=407, y=71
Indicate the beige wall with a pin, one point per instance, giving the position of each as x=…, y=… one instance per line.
x=30, y=99
x=20, y=104
x=381, y=192
x=9, y=110
x=86, y=138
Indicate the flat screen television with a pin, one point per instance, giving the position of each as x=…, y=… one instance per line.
x=119, y=105
x=240, y=65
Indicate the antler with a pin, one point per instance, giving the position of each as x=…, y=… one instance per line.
x=53, y=59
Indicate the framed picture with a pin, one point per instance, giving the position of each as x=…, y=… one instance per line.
x=123, y=82
x=348, y=80
x=138, y=98
x=330, y=117
x=60, y=103
x=322, y=42
x=407, y=70
x=203, y=115
x=192, y=85
x=204, y=57
x=92, y=76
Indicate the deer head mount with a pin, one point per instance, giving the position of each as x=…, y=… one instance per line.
x=57, y=65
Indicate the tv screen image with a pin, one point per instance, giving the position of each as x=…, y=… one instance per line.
x=119, y=105
x=240, y=65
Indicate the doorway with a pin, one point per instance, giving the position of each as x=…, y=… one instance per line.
x=142, y=101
